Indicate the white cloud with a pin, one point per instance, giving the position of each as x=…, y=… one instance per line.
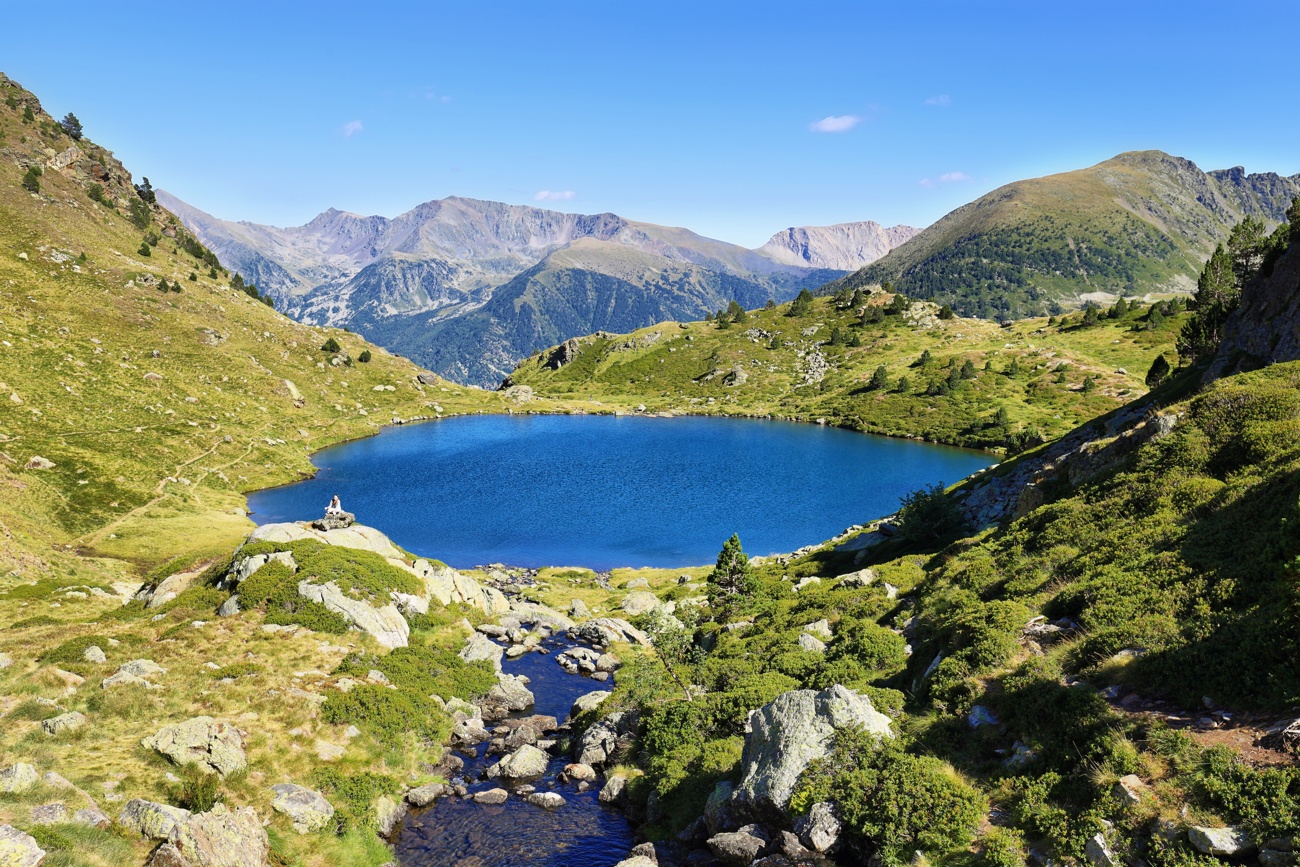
x=943, y=100
x=835, y=123
x=555, y=195
x=945, y=178
x=351, y=128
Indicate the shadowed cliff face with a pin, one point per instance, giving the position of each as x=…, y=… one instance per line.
x=1265, y=329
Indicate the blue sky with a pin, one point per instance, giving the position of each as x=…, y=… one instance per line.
x=734, y=119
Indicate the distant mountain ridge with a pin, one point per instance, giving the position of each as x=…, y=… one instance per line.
x=843, y=246
x=1138, y=223
x=422, y=283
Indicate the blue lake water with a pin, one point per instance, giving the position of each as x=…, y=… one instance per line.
x=606, y=491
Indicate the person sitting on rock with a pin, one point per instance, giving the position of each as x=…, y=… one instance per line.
x=335, y=507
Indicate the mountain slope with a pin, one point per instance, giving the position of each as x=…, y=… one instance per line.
x=1137, y=224
x=157, y=407
x=843, y=246
x=407, y=282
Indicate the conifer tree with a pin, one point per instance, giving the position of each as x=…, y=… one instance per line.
x=732, y=581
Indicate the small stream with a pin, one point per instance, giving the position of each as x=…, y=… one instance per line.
x=460, y=833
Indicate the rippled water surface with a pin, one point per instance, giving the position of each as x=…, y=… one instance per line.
x=602, y=491
x=582, y=833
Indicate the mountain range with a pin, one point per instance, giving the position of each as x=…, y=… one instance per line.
x=1140, y=223
x=469, y=287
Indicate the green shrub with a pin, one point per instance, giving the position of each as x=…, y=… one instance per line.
x=32, y=180
x=353, y=796
x=896, y=801
x=235, y=669
x=70, y=651
x=331, y=345
x=869, y=644
x=38, y=620
x=1002, y=847
x=928, y=515
x=425, y=671
x=197, y=789
x=388, y=714
x=363, y=574
x=364, y=356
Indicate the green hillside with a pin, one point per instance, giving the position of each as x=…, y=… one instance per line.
x=981, y=385
x=1139, y=224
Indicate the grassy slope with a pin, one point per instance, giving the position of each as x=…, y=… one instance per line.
x=667, y=369
x=1177, y=564
x=1137, y=224
x=149, y=475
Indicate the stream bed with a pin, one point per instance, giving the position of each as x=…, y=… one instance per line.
x=456, y=832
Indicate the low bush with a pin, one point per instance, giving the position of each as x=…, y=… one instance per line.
x=425, y=671
x=388, y=714
x=71, y=650
x=353, y=795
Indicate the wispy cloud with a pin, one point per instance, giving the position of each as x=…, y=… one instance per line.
x=555, y=195
x=431, y=95
x=945, y=178
x=351, y=128
x=836, y=123
x=943, y=100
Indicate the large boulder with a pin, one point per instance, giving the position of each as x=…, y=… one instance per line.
x=607, y=739
x=448, y=586
x=306, y=808
x=604, y=631
x=17, y=778
x=788, y=734
x=334, y=521
x=151, y=820
x=819, y=829
x=245, y=567
x=736, y=848
x=589, y=701
x=64, y=722
x=385, y=624
x=357, y=536
x=510, y=694
x=640, y=602
x=479, y=647
x=1221, y=842
x=19, y=849
x=527, y=762
x=217, y=838
x=170, y=587
x=212, y=745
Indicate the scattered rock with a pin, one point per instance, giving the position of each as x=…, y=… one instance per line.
x=479, y=647
x=6, y=661
x=49, y=814
x=981, y=716
x=606, y=739
x=736, y=848
x=546, y=800
x=423, y=796
x=36, y=462
x=19, y=849
x=579, y=610
x=1220, y=842
x=1098, y=852
x=810, y=643
x=861, y=578
x=613, y=790
x=1129, y=789
x=306, y=808
x=580, y=772
x=819, y=829
x=588, y=702
x=791, y=732
x=388, y=815
x=94, y=654
x=337, y=521
x=510, y=693
x=491, y=797
x=214, y=745
x=92, y=816
x=64, y=722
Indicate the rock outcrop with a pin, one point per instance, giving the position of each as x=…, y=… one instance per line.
x=385, y=623
x=213, y=745
x=19, y=849
x=217, y=838
x=151, y=820
x=787, y=735
x=306, y=808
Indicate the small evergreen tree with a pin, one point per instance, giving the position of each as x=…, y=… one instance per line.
x=802, y=304
x=364, y=357
x=1090, y=317
x=1217, y=295
x=732, y=581
x=1002, y=418
x=925, y=358
x=928, y=514
x=1159, y=371
x=897, y=305
x=968, y=370
x=71, y=126
x=945, y=312
x=872, y=314
x=32, y=180
x=28, y=117
x=880, y=379
x=736, y=313
x=331, y=345
x=775, y=342
x=145, y=192
x=904, y=385
x=1089, y=384
x=770, y=304
x=145, y=249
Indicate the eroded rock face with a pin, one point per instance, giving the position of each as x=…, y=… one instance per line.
x=787, y=735
x=480, y=647
x=19, y=849
x=385, y=623
x=306, y=808
x=217, y=838
x=213, y=745
x=447, y=586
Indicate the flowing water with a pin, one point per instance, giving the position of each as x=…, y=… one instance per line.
x=604, y=491
x=582, y=833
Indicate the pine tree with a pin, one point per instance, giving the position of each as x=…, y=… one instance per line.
x=1159, y=371
x=71, y=126
x=968, y=370
x=802, y=304
x=1247, y=245
x=331, y=345
x=32, y=180
x=945, y=312
x=904, y=385
x=880, y=379
x=364, y=357
x=732, y=581
x=1217, y=294
x=924, y=359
